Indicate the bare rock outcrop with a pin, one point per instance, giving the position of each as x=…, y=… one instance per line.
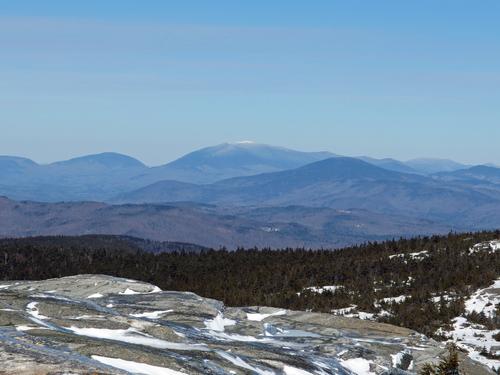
x=94, y=324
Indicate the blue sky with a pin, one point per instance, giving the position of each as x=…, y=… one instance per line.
x=156, y=79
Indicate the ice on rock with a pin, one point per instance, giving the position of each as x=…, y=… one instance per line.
x=219, y=323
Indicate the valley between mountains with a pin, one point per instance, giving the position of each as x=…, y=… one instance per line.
x=247, y=194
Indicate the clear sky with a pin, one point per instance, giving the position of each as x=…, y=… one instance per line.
x=156, y=79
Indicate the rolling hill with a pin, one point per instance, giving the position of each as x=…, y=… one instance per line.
x=207, y=225
x=432, y=165
x=341, y=183
x=476, y=174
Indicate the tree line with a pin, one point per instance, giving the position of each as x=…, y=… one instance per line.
x=434, y=284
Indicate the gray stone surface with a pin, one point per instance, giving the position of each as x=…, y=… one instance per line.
x=53, y=327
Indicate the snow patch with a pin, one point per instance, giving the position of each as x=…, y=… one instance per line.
x=95, y=295
x=359, y=366
x=398, y=359
x=129, y=291
x=219, y=323
x=414, y=256
x=135, y=367
x=322, y=289
x=474, y=337
x=289, y=370
x=352, y=312
x=23, y=328
x=237, y=361
x=489, y=246
x=234, y=337
x=484, y=300
x=256, y=317
x=152, y=314
x=398, y=299
x=33, y=311
x=132, y=336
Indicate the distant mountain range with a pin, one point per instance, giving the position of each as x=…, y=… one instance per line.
x=247, y=187
x=345, y=183
x=234, y=160
x=100, y=177
x=103, y=177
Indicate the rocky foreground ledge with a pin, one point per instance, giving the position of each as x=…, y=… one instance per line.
x=105, y=325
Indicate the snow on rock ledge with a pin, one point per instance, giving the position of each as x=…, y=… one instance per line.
x=52, y=326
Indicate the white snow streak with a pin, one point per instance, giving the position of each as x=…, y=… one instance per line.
x=289, y=370
x=135, y=367
x=219, y=323
x=95, y=295
x=33, y=311
x=132, y=336
x=359, y=366
x=256, y=317
x=237, y=361
x=152, y=314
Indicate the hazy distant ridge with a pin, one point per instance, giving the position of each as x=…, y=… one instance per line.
x=103, y=177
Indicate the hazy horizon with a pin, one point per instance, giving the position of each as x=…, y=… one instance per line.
x=235, y=143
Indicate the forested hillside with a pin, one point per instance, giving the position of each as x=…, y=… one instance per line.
x=419, y=283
